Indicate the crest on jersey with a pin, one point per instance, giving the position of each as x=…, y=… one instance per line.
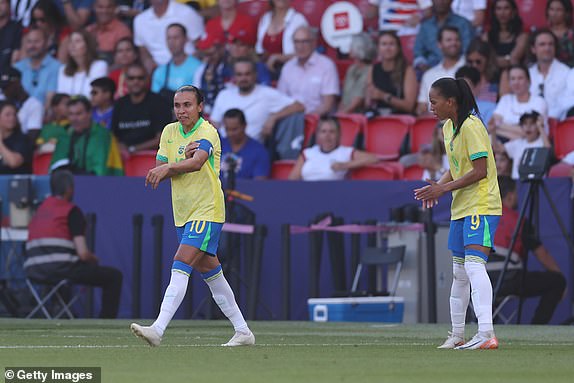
x=181, y=150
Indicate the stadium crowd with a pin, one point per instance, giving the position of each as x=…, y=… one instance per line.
x=88, y=84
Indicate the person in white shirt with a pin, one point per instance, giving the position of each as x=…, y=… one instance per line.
x=150, y=27
x=532, y=127
x=81, y=67
x=504, y=124
x=262, y=105
x=328, y=160
x=452, y=59
x=547, y=74
x=472, y=10
x=310, y=77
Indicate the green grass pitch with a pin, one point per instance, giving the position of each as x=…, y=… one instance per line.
x=289, y=352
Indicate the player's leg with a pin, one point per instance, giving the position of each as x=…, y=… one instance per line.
x=181, y=270
x=478, y=236
x=210, y=268
x=460, y=289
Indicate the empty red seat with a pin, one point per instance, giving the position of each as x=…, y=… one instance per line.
x=281, y=169
x=253, y=8
x=408, y=45
x=351, y=126
x=421, y=132
x=413, y=173
x=41, y=163
x=311, y=121
x=532, y=13
x=384, y=135
x=139, y=163
x=564, y=137
x=380, y=171
x=561, y=169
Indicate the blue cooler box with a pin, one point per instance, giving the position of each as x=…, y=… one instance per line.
x=360, y=309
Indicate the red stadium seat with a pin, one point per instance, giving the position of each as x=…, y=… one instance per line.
x=342, y=67
x=408, y=45
x=413, y=173
x=564, y=138
x=254, y=8
x=281, y=169
x=41, y=163
x=351, y=126
x=532, y=13
x=561, y=169
x=384, y=135
x=421, y=132
x=312, y=10
x=380, y=171
x=552, y=124
x=311, y=121
x=139, y=163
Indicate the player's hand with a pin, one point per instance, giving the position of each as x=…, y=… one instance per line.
x=156, y=175
x=429, y=192
x=191, y=148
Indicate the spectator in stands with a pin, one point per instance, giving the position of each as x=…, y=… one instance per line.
x=426, y=51
x=56, y=124
x=493, y=83
x=472, y=10
x=30, y=110
x=81, y=66
x=153, y=22
x=392, y=83
x=275, y=34
x=102, y=98
x=211, y=75
x=76, y=12
x=472, y=77
x=88, y=148
x=241, y=44
x=505, y=33
x=57, y=247
x=547, y=74
x=107, y=28
x=399, y=16
x=506, y=116
x=139, y=117
x=549, y=284
x=263, y=106
x=16, y=149
x=247, y=156
x=503, y=162
x=230, y=21
x=450, y=46
x=125, y=54
x=328, y=160
x=320, y=88
x=11, y=32
x=559, y=19
x=47, y=16
x=567, y=99
x=180, y=70
x=533, y=136
x=39, y=69
x=362, y=51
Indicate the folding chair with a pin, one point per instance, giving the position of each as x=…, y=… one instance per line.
x=374, y=256
x=54, y=296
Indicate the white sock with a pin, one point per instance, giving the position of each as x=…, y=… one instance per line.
x=481, y=295
x=173, y=295
x=225, y=299
x=459, y=298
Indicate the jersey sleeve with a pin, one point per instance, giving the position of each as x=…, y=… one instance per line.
x=162, y=151
x=476, y=140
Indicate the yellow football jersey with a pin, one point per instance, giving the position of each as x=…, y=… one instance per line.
x=472, y=142
x=197, y=195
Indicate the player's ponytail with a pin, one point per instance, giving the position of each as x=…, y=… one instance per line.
x=461, y=92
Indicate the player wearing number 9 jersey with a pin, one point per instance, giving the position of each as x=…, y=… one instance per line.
x=199, y=213
x=475, y=211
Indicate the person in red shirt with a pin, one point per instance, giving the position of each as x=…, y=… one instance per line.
x=550, y=284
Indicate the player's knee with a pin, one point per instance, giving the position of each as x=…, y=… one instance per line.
x=459, y=272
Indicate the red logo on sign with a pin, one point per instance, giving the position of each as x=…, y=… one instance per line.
x=342, y=20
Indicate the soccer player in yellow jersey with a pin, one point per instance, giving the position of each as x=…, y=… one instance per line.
x=199, y=213
x=475, y=211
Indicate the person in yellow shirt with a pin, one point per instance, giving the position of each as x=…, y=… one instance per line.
x=475, y=211
x=199, y=214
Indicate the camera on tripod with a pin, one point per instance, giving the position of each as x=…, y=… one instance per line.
x=534, y=164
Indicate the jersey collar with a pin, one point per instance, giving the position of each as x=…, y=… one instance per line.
x=188, y=134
